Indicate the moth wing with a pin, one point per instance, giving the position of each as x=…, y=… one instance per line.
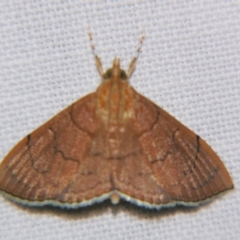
x=53, y=164
x=173, y=165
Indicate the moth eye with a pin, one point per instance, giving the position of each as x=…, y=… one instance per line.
x=108, y=74
x=123, y=75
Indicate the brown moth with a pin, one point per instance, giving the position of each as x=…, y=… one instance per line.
x=113, y=143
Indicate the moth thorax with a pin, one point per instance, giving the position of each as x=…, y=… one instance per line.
x=115, y=101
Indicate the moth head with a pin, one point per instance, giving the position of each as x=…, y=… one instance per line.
x=115, y=71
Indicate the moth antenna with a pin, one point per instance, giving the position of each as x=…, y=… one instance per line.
x=97, y=59
x=138, y=51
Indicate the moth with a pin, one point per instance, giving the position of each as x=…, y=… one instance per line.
x=113, y=144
